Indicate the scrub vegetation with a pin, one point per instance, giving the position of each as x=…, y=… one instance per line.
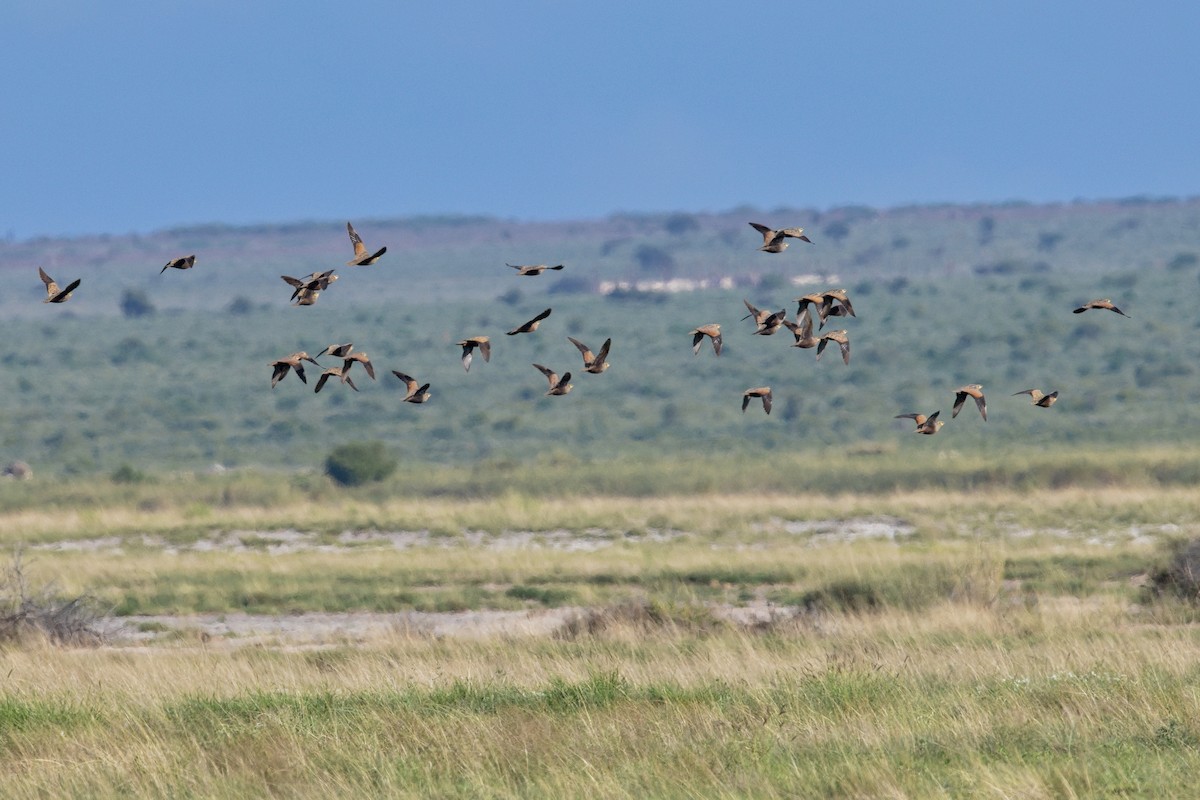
x=695, y=602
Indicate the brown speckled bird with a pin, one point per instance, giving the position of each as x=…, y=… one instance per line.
x=483, y=343
x=361, y=358
x=53, y=294
x=926, y=425
x=281, y=367
x=1105, y=303
x=763, y=392
x=558, y=386
x=712, y=331
x=414, y=393
x=334, y=372
x=594, y=363
x=802, y=330
x=843, y=341
x=776, y=241
x=337, y=350
x=970, y=390
x=533, y=269
x=1039, y=399
x=187, y=262
x=769, y=322
x=309, y=288
x=829, y=303
x=361, y=257
x=531, y=326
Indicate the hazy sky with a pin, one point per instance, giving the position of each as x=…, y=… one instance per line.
x=134, y=115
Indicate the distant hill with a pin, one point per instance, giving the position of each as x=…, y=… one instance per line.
x=448, y=258
x=171, y=370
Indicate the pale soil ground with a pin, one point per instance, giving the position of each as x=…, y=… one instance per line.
x=317, y=630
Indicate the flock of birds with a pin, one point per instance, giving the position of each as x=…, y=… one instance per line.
x=826, y=304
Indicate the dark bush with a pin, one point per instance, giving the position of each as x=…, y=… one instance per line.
x=356, y=463
x=1180, y=576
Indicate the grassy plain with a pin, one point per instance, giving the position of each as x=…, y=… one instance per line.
x=984, y=638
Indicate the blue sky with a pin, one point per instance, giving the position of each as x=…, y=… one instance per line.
x=131, y=115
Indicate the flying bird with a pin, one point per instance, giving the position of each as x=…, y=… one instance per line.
x=337, y=350
x=926, y=425
x=531, y=326
x=558, y=386
x=759, y=391
x=53, y=295
x=776, y=241
x=1105, y=303
x=532, y=269
x=361, y=257
x=281, y=367
x=361, y=358
x=802, y=330
x=768, y=321
x=970, y=390
x=334, y=372
x=308, y=288
x=843, y=342
x=594, y=363
x=1039, y=399
x=414, y=393
x=483, y=343
x=187, y=262
x=712, y=331
x=829, y=303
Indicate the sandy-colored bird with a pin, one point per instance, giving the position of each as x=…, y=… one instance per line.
x=361, y=257
x=187, y=262
x=594, y=363
x=768, y=321
x=802, y=330
x=558, y=386
x=776, y=241
x=843, y=341
x=1039, y=399
x=531, y=326
x=308, y=289
x=413, y=393
x=295, y=361
x=334, y=372
x=763, y=392
x=53, y=294
x=970, y=390
x=361, y=358
x=533, y=269
x=926, y=425
x=1105, y=303
x=712, y=331
x=829, y=303
x=337, y=350
x=482, y=343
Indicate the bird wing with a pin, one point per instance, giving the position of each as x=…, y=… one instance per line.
x=51, y=286
x=767, y=233
x=550, y=374
x=795, y=233
x=588, y=356
x=603, y=354
x=960, y=397
x=359, y=248
x=65, y=293
x=408, y=382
